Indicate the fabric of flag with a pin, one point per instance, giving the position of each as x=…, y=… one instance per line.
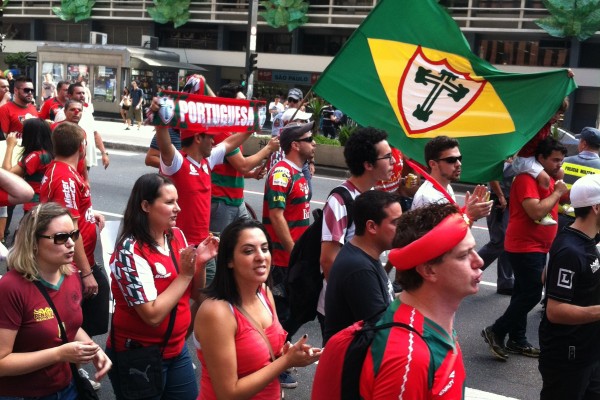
x=409, y=70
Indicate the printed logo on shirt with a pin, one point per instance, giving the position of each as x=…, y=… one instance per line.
x=449, y=385
x=205, y=168
x=281, y=177
x=43, y=314
x=69, y=193
x=565, y=278
x=161, y=271
x=193, y=171
x=594, y=266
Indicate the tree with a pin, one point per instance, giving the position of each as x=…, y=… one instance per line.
x=290, y=13
x=77, y=10
x=18, y=60
x=176, y=11
x=571, y=18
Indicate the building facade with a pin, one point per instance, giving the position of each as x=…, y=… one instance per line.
x=500, y=31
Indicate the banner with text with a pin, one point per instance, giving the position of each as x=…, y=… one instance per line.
x=209, y=114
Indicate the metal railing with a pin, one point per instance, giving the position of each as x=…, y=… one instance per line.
x=475, y=15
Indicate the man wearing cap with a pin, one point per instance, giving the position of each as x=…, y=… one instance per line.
x=586, y=162
x=190, y=169
x=570, y=327
x=443, y=158
x=358, y=287
x=438, y=267
x=527, y=244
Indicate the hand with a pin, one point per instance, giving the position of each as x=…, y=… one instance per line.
x=11, y=139
x=100, y=220
x=207, y=250
x=560, y=187
x=105, y=160
x=502, y=203
x=102, y=364
x=187, y=261
x=273, y=144
x=78, y=352
x=299, y=354
x=90, y=286
x=476, y=205
x=311, y=169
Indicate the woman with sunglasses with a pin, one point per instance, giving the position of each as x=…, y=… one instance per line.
x=35, y=156
x=154, y=271
x=237, y=319
x=34, y=361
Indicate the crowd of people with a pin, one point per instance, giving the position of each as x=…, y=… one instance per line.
x=189, y=260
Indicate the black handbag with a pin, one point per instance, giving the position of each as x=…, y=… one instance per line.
x=84, y=387
x=140, y=368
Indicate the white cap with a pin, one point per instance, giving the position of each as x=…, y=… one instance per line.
x=301, y=115
x=585, y=191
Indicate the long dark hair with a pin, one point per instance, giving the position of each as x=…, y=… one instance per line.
x=36, y=136
x=135, y=219
x=223, y=286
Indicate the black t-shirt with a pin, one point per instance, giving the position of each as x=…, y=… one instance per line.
x=358, y=288
x=136, y=96
x=574, y=278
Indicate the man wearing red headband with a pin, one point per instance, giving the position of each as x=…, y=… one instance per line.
x=438, y=267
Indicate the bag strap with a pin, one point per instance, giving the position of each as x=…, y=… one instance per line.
x=171, y=316
x=63, y=333
x=259, y=329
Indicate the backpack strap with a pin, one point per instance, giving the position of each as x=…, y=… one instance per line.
x=354, y=360
x=348, y=202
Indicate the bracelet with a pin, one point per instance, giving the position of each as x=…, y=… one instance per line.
x=105, y=153
x=85, y=276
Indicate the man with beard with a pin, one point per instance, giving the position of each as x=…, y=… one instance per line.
x=527, y=244
x=13, y=113
x=443, y=158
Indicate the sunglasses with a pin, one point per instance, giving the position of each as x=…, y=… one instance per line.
x=27, y=90
x=306, y=139
x=61, y=237
x=450, y=160
x=290, y=100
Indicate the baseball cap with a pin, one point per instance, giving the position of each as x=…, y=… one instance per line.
x=295, y=94
x=289, y=113
x=585, y=191
x=293, y=131
x=186, y=133
x=590, y=135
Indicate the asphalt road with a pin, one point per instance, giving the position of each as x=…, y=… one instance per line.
x=517, y=378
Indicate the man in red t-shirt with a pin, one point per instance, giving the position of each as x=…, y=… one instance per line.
x=53, y=104
x=527, y=244
x=13, y=113
x=64, y=185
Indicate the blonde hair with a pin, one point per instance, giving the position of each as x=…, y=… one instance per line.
x=22, y=256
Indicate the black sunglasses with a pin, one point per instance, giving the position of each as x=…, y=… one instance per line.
x=290, y=100
x=61, y=237
x=306, y=139
x=27, y=90
x=450, y=160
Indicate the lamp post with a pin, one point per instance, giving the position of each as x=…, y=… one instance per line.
x=251, y=56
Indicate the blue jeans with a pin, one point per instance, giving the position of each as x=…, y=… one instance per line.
x=497, y=222
x=179, y=379
x=527, y=293
x=68, y=393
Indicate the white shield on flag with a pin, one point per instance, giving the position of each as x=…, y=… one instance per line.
x=167, y=109
x=431, y=93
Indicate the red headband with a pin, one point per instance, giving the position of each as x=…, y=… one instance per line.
x=441, y=239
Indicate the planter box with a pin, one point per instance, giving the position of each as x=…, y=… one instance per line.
x=325, y=155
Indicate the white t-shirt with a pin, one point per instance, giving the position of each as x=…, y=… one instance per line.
x=427, y=194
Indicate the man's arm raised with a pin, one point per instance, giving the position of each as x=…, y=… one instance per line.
x=166, y=148
x=17, y=189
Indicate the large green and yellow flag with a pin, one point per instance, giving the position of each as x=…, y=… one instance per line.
x=409, y=70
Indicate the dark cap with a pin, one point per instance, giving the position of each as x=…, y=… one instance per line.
x=590, y=135
x=293, y=131
x=295, y=94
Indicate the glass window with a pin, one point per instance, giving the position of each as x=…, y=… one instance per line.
x=77, y=73
x=55, y=69
x=105, y=84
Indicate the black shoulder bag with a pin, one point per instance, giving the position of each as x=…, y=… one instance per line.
x=84, y=387
x=140, y=368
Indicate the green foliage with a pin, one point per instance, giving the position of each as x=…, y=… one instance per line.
x=290, y=13
x=314, y=106
x=17, y=59
x=77, y=10
x=571, y=18
x=320, y=139
x=176, y=11
x=345, y=132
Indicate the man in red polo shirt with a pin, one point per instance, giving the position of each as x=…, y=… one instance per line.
x=53, y=104
x=13, y=113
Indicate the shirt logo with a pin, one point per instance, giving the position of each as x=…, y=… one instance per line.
x=565, y=278
x=161, y=271
x=594, y=266
x=280, y=177
x=43, y=314
x=193, y=171
x=449, y=385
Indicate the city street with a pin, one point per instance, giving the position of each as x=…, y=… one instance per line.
x=517, y=378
